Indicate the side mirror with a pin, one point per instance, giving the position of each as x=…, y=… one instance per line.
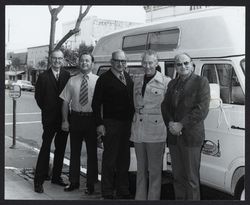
x=215, y=100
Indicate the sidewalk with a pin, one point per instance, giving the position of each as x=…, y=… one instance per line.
x=19, y=165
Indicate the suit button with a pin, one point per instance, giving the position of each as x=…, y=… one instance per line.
x=140, y=120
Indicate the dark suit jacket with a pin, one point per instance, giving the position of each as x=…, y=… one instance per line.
x=116, y=98
x=191, y=110
x=47, y=93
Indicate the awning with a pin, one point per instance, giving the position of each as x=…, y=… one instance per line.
x=14, y=73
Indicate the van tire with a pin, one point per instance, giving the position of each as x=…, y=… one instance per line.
x=239, y=193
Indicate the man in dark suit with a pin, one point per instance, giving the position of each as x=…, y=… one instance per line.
x=48, y=87
x=184, y=109
x=114, y=93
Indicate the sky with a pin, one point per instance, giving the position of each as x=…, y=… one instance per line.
x=30, y=25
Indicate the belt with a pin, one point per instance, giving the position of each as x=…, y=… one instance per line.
x=152, y=111
x=85, y=114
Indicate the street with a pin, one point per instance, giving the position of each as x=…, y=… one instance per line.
x=29, y=131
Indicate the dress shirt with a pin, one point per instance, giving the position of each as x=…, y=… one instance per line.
x=71, y=92
x=56, y=72
x=117, y=74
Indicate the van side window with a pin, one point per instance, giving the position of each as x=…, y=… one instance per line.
x=224, y=75
x=163, y=40
x=134, y=43
x=170, y=69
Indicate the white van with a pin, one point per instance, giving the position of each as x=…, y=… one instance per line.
x=215, y=39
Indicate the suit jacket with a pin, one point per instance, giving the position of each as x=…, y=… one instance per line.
x=114, y=96
x=191, y=110
x=47, y=91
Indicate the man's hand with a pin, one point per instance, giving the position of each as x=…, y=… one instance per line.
x=65, y=126
x=175, y=128
x=101, y=130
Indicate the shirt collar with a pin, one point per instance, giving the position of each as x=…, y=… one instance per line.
x=157, y=77
x=55, y=72
x=87, y=75
x=117, y=74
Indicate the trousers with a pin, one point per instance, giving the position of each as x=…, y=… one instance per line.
x=60, y=141
x=149, y=168
x=185, y=166
x=116, y=157
x=83, y=128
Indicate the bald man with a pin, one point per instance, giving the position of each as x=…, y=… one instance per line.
x=184, y=109
x=113, y=92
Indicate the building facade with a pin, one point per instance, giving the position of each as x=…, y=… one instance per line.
x=36, y=55
x=92, y=28
x=37, y=61
x=16, y=68
x=158, y=13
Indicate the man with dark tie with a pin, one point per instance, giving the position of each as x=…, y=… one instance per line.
x=78, y=94
x=114, y=96
x=48, y=87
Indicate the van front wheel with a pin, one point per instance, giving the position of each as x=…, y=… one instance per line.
x=239, y=193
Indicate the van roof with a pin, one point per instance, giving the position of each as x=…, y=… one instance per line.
x=213, y=33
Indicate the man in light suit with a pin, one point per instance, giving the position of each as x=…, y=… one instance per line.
x=48, y=87
x=184, y=109
x=148, y=130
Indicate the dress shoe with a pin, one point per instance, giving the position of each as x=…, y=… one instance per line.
x=38, y=187
x=59, y=182
x=90, y=188
x=108, y=197
x=126, y=196
x=72, y=187
x=47, y=178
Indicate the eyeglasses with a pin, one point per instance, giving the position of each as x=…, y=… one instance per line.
x=185, y=63
x=55, y=58
x=119, y=61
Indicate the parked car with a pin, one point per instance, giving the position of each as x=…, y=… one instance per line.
x=25, y=85
x=8, y=84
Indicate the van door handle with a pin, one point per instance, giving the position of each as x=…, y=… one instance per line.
x=237, y=127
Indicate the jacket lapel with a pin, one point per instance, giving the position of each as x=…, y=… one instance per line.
x=52, y=79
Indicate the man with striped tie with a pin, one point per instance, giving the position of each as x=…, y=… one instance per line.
x=78, y=94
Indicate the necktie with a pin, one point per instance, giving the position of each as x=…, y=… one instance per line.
x=83, y=98
x=57, y=76
x=121, y=77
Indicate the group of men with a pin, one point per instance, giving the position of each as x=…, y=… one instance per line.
x=147, y=110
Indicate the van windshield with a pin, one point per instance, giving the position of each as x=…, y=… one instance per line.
x=242, y=64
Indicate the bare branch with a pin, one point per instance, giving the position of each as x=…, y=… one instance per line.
x=77, y=27
x=59, y=9
x=82, y=15
x=50, y=9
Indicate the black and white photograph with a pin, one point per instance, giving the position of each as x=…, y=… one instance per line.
x=124, y=103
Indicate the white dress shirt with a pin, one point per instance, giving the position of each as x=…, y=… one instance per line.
x=71, y=92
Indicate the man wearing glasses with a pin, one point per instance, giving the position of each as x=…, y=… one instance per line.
x=48, y=87
x=184, y=109
x=113, y=110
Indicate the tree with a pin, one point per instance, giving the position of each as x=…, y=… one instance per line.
x=71, y=56
x=16, y=63
x=42, y=64
x=84, y=48
x=54, y=12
